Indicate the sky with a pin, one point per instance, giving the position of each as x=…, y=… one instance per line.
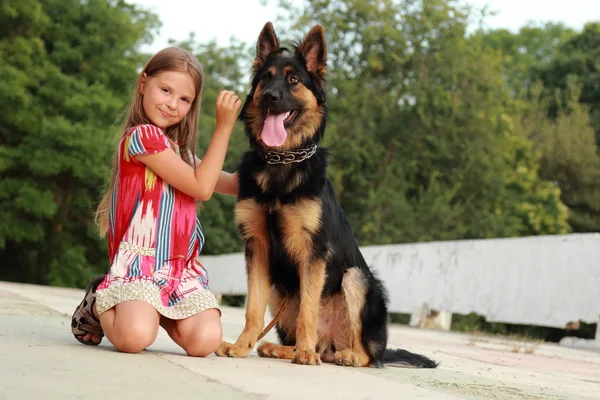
x=245, y=18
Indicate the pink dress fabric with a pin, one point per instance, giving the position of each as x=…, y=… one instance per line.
x=154, y=237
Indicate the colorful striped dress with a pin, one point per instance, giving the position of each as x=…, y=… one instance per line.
x=154, y=237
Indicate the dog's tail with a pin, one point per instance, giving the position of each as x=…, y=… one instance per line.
x=403, y=358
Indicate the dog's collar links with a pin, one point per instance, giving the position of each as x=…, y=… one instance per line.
x=290, y=156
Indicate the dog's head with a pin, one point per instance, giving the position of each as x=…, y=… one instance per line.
x=285, y=108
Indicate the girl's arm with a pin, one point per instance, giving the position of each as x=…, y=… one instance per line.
x=200, y=182
x=227, y=183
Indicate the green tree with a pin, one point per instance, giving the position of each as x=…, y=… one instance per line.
x=524, y=53
x=577, y=61
x=551, y=72
x=430, y=133
x=67, y=70
x=569, y=156
x=422, y=145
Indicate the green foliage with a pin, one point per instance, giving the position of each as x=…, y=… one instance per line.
x=552, y=73
x=569, y=156
x=68, y=68
x=577, y=61
x=526, y=52
x=434, y=134
x=422, y=145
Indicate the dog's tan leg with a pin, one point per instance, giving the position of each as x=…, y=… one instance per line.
x=259, y=287
x=299, y=224
x=312, y=280
x=252, y=221
x=355, y=289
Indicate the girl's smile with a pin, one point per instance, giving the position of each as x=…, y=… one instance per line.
x=166, y=114
x=168, y=97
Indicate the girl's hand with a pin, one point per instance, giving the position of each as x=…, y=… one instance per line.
x=227, y=108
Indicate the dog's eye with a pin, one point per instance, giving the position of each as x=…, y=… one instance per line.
x=292, y=79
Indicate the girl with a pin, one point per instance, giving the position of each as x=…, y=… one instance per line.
x=149, y=213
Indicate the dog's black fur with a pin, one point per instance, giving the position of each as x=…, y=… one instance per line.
x=298, y=239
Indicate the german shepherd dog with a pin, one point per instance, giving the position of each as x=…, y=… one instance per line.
x=301, y=256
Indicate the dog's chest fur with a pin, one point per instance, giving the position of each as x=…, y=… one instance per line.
x=283, y=212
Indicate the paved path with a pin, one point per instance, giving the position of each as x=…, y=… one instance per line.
x=39, y=359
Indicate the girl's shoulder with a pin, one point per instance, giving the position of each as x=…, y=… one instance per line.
x=146, y=130
x=145, y=139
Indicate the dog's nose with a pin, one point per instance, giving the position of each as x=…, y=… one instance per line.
x=271, y=96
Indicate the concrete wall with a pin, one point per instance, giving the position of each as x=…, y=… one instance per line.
x=543, y=280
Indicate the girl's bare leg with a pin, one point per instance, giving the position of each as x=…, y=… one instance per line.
x=130, y=326
x=199, y=335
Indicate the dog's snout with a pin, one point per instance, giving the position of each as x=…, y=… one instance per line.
x=271, y=96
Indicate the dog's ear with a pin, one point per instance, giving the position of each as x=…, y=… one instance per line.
x=267, y=44
x=314, y=51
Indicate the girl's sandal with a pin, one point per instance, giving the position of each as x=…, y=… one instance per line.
x=84, y=321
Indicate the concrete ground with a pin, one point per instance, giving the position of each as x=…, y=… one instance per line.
x=39, y=359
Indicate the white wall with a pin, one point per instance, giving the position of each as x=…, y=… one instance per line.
x=542, y=280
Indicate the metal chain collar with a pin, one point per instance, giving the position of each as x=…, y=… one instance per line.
x=290, y=156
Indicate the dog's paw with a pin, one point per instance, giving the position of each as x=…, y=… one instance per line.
x=307, y=357
x=233, y=350
x=351, y=358
x=275, y=351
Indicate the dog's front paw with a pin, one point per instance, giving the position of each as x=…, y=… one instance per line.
x=233, y=350
x=307, y=357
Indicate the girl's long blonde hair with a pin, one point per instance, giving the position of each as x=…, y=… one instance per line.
x=185, y=132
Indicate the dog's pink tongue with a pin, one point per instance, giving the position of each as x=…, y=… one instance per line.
x=273, y=133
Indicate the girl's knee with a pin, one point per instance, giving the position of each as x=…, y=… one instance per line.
x=204, y=341
x=203, y=348
x=134, y=337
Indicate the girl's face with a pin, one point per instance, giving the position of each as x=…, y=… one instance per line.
x=168, y=97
